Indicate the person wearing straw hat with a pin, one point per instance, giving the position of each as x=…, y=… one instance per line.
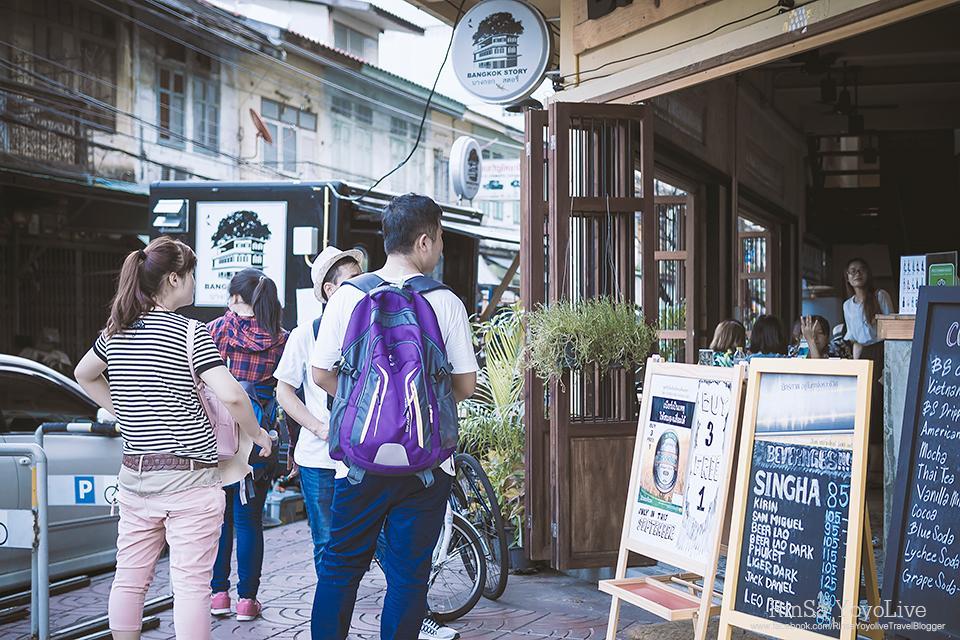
x=311, y=451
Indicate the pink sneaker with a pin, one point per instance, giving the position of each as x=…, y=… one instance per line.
x=248, y=609
x=220, y=604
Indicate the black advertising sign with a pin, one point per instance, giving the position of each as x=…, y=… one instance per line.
x=793, y=555
x=797, y=530
x=921, y=588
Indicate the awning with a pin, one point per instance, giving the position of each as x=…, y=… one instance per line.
x=507, y=236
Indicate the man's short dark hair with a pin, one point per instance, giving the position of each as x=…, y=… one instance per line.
x=406, y=218
x=334, y=275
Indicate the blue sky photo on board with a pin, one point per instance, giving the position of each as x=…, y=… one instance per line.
x=797, y=403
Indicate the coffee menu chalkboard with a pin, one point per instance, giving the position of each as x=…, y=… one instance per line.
x=795, y=545
x=922, y=569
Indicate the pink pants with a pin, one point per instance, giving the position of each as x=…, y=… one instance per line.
x=189, y=521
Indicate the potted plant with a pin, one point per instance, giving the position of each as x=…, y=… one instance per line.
x=601, y=331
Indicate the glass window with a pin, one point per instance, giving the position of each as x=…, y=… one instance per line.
x=26, y=402
x=342, y=106
x=288, y=115
x=270, y=150
x=308, y=120
x=206, y=115
x=270, y=109
x=289, y=149
x=171, y=99
x=352, y=41
x=364, y=114
x=398, y=127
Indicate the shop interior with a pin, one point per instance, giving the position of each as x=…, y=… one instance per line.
x=865, y=163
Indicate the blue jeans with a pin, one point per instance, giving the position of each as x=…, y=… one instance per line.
x=316, y=485
x=411, y=517
x=247, y=519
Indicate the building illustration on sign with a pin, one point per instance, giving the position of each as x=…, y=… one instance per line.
x=495, y=41
x=239, y=243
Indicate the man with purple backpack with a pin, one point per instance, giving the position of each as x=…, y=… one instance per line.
x=395, y=348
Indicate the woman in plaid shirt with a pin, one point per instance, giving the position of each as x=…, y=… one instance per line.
x=251, y=341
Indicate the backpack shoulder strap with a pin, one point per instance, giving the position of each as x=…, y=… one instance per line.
x=191, y=337
x=365, y=282
x=424, y=284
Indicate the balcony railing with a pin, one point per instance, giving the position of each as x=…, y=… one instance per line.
x=41, y=133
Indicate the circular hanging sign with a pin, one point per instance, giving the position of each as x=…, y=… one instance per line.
x=465, y=169
x=501, y=49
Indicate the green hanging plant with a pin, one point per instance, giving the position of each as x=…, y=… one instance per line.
x=575, y=335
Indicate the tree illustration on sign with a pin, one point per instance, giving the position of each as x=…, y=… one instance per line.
x=241, y=224
x=495, y=41
x=239, y=242
x=501, y=23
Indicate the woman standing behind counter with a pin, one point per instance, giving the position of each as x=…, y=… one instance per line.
x=860, y=313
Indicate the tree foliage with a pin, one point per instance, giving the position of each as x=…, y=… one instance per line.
x=241, y=224
x=500, y=23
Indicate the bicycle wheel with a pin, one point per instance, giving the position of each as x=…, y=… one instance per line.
x=483, y=510
x=458, y=573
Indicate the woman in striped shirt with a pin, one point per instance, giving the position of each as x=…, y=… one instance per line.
x=170, y=484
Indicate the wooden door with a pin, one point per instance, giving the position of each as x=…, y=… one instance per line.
x=755, y=267
x=600, y=179
x=533, y=278
x=675, y=271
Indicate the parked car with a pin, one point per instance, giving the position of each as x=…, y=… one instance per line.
x=82, y=539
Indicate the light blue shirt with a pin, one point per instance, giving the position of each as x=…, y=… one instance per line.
x=858, y=329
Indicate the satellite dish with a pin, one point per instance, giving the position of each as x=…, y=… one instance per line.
x=261, y=127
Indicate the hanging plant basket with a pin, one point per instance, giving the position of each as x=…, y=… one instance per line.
x=571, y=336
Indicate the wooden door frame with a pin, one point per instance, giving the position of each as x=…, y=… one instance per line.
x=533, y=217
x=772, y=274
x=688, y=255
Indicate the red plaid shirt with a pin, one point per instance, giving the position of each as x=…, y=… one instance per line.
x=250, y=352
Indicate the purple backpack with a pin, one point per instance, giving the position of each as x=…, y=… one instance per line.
x=394, y=413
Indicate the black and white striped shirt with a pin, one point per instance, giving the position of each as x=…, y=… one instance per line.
x=151, y=387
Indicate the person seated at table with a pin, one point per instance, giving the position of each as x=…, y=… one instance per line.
x=767, y=339
x=815, y=330
x=729, y=336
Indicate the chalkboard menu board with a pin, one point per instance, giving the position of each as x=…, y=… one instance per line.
x=922, y=569
x=795, y=545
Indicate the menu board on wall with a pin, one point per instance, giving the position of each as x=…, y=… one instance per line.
x=922, y=574
x=797, y=526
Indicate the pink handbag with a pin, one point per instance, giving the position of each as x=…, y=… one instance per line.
x=225, y=428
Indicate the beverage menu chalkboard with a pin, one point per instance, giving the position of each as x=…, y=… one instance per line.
x=795, y=551
x=922, y=570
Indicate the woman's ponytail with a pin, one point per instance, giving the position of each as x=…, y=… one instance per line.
x=260, y=292
x=141, y=278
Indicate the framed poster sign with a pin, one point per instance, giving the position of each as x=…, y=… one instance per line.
x=679, y=485
x=922, y=570
x=797, y=531
x=233, y=236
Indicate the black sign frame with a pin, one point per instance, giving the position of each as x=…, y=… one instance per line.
x=906, y=463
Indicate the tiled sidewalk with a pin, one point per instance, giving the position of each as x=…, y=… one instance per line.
x=538, y=606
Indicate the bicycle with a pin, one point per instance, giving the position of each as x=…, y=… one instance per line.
x=458, y=571
x=473, y=496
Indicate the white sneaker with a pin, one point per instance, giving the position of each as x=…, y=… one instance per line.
x=431, y=630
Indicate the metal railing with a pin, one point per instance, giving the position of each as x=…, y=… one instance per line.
x=34, y=456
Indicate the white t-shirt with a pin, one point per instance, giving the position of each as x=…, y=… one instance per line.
x=451, y=316
x=294, y=369
x=858, y=329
